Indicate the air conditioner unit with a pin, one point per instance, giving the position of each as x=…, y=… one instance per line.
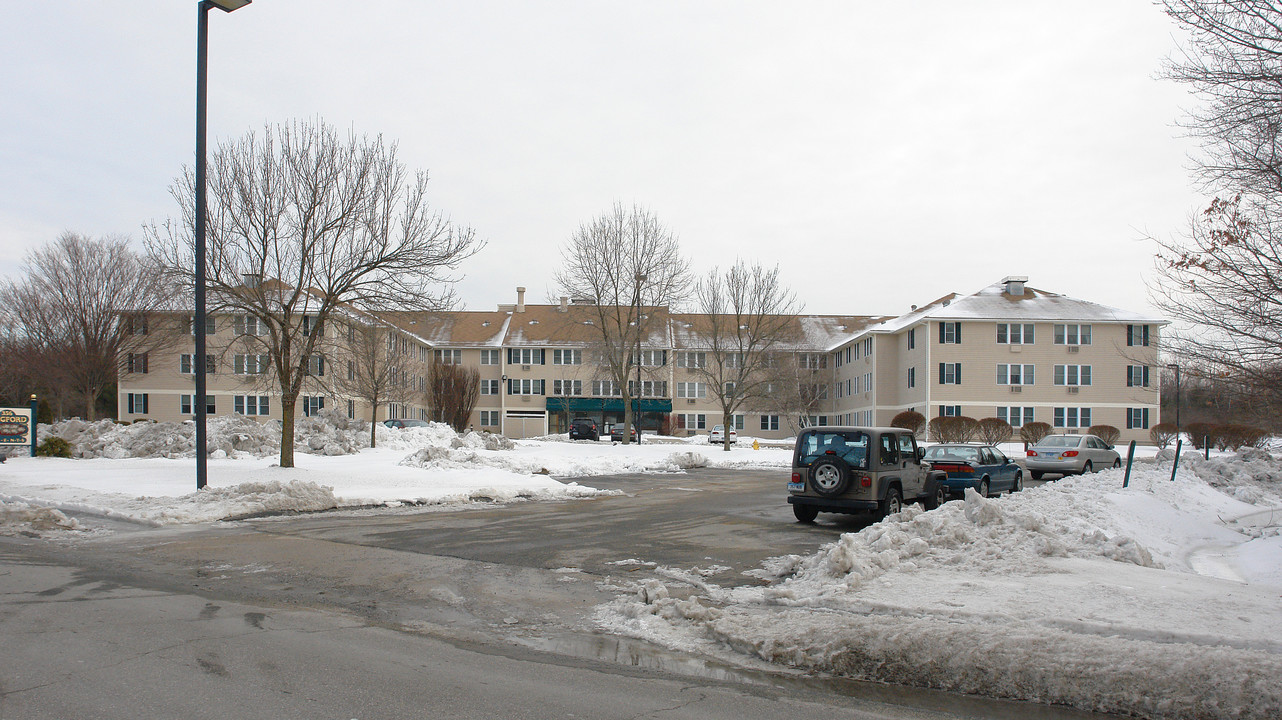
x=525, y=367
x=1017, y=388
x=690, y=401
x=1073, y=390
x=1074, y=348
x=525, y=398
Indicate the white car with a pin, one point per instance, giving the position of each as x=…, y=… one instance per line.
x=717, y=436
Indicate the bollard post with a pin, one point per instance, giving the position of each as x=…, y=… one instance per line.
x=1176, y=463
x=1130, y=457
x=35, y=408
x=1206, y=446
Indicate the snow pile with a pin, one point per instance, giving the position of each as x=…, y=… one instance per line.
x=1146, y=600
x=22, y=518
x=1250, y=475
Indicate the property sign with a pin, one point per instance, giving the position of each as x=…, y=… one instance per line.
x=18, y=426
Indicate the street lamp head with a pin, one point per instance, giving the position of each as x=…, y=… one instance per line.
x=228, y=5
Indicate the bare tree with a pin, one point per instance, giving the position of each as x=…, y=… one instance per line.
x=744, y=314
x=455, y=390
x=302, y=222
x=84, y=307
x=1225, y=286
x=796, y=386
x=628, y=265
x=1233, y=61
x=372, y=366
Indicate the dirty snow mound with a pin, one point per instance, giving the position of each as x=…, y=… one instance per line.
x=22, y=518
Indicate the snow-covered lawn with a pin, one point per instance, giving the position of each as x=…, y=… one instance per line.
x=146, y=472
x=1163, y=599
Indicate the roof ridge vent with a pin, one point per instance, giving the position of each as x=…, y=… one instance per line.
x=1015, y=284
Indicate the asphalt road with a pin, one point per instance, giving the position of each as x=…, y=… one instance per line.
x=480, y=612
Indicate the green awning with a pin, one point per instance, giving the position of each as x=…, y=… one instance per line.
x=596, y=405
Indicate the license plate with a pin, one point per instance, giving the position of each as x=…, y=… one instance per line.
x=796, y=487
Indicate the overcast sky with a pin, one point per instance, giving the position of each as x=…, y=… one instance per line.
x=881, y=153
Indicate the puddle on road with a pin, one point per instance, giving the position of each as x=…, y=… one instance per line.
x=634, y=653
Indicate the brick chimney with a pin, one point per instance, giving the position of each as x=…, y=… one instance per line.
x=520, y=299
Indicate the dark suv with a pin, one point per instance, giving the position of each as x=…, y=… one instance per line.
x=860, y=470
x=583, y=429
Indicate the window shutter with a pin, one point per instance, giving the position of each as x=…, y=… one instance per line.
x=539, y=357
x=957, y=374
x=957, y=333
x=1146, y=385
x=541, y=385
x=941, y=366
x=510, y=357
x=1130, y=334
x=1146, y=336
x=941, y=335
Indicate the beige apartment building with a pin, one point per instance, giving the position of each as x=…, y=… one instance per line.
x=1008, y=351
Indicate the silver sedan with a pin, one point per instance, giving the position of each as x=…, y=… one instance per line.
x=1070, y=455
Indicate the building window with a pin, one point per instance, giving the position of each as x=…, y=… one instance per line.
x=1137, y=376
x=251, y=405
x=736, y=422
x=1014, y=333
x=567, y=357
x=812, y=361
x=136, y=403
x=649, y=358
x=1137, y=418
x=138, y=363
x=950, y=333
x=912, y=339
x=525, y=356
x=185, y=404
x=691, y=421
x=692, y=390
x=491, y=387
x=690, y=359
x=849, y=387
x=310, y=325
x=249, y=364
x=868, y=380
x=312, y=404
x=136, y=325
x=950, y=373
x=769, y=422
x=649, y=388
x=1072, y=417
x=1014, y=374
x=351, y=408
x=912, y=377
x=1072, y=375
x=1072, y=334
x=949, y=410
x=815, y=420
x=1015, y=415
x=248, y=325
x=450, y=356
x=490, y=356
x=315, y=365
x=567, y=387
x=605, y=388
x=1137, y=335
x=524, y=386
x=867, y=347
x=836, y=359
x=209, y=325
x=489, y=418
x=840, y=389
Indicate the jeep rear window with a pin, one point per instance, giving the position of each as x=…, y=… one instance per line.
x=849, y=446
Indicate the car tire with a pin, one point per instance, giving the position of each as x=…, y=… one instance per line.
x=829, y=476
x=1037, y=474
x=891, y=504
x=936, y=498
x=984, y=488
x=1018, y=485
x=1088, y=468
x=805, y=513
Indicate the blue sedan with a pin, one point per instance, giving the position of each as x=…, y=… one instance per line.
x=982, y=467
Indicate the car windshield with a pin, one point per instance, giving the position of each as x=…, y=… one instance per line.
x=851, y=446
x=1060, y=441
x=959, y=453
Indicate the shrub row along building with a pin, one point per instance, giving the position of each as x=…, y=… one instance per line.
x=1009, y=351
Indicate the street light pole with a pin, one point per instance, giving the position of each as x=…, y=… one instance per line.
x=198, y=320
x=636, y=420
x=1176, y=368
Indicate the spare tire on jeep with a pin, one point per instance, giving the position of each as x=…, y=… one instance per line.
x=829, y=476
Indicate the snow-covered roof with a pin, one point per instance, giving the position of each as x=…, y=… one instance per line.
x=994, y=303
